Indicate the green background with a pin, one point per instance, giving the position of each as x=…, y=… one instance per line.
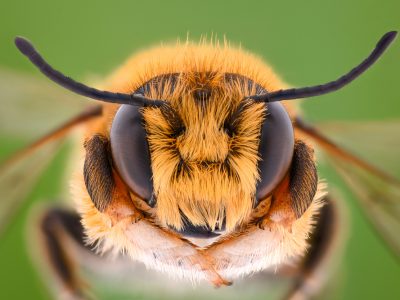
x=307, y=42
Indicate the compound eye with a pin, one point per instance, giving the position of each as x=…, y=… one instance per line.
x=275, y=150
x=130, y=151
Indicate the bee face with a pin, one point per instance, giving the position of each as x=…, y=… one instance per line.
x=206, y=173
x=199, y=164
x=202, y=175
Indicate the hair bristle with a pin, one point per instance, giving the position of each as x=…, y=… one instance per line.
x=191, y=57
x=202, y=172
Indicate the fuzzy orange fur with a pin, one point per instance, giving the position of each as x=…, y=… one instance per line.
x=208, y=193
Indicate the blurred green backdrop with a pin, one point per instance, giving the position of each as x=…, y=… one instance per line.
x=307, y=42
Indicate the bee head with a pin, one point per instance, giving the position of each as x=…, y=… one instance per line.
x=203, y=149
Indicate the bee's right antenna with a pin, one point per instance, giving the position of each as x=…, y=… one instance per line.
x=29, y=51
x=317, y=90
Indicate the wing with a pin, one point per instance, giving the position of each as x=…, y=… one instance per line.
x=17, y=180
x=360, y=152
x=38, y=114
x=377, y=141
x=32, y=106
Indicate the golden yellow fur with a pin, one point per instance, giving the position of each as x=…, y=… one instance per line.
x=189, y=58
x=220, y=172
x=205, y=194
x=209, y=190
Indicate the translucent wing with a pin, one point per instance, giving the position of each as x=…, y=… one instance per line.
x=35, y=113
x=17, y=180
x=377, y=141
x=360, y=152
x=32, y=106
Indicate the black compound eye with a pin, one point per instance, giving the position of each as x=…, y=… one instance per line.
x=275, y=150
x=130, y=151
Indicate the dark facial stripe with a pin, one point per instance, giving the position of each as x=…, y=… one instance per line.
x=303, y=178
x=97, y=172
x=170, y=80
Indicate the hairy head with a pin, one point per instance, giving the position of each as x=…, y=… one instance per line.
x=204, y=148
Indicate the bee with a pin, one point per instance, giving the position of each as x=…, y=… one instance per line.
x=196, y=164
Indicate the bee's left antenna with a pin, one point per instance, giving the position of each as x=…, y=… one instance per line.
x=29, y=51
x=332, y=86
